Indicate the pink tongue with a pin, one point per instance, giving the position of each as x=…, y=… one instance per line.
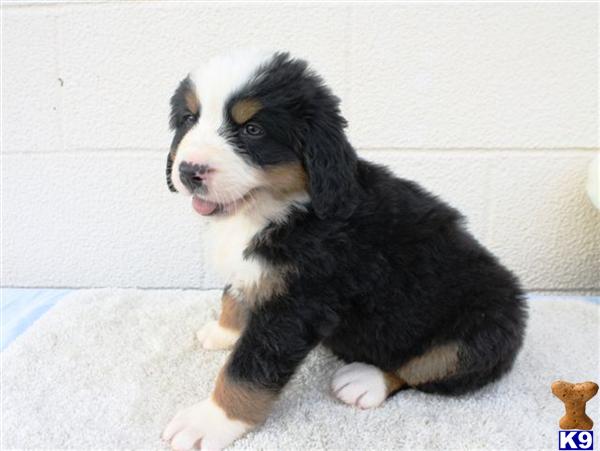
x=203, y=207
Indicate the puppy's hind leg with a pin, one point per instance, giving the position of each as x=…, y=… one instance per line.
x=363, y=385
x=462, y=366
x=224, y=333
x=438, y=363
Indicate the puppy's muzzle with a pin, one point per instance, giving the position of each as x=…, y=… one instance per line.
x=193, y=175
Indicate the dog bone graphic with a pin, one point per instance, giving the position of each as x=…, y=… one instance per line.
x=574, y=396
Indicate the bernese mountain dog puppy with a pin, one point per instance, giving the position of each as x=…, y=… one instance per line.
x=322, y=247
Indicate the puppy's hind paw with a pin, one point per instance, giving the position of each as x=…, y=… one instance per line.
x=360, y=385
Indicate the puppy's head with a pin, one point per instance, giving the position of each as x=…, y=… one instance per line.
x=252, y=124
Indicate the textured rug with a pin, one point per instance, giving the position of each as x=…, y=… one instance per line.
x=108, y=369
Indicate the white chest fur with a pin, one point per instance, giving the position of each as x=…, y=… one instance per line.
x=229, y=238
x=251, y=278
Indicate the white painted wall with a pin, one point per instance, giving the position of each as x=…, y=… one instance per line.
x=492, y=106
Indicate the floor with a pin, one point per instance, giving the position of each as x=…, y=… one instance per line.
x=108, y=368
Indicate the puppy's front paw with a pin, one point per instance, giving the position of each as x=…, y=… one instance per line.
x=213, y=336
x=204, y=426
x=360, y=385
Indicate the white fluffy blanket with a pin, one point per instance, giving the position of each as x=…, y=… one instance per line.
x=108, y=369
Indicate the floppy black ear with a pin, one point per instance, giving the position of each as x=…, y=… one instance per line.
x=318, y=134
x=330, y=162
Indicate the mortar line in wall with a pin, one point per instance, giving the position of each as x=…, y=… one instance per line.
x=46, y=5
x=476, y=149
x=98, y=287
x=40, y=4
x=164, y=150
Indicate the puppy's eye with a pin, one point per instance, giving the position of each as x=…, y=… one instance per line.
x=188, y=119
x=253, y=130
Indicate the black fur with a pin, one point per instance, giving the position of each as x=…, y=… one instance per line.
x=384, y=285
x=383, y=269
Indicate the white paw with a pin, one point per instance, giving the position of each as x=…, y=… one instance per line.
x=203, y=426
x=360, y=385
x=213, y=336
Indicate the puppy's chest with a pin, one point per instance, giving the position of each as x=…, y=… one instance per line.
x=251, y=279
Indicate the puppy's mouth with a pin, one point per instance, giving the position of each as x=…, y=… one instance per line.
x=208, y=208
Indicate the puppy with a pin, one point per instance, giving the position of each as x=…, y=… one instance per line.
x=322, y=247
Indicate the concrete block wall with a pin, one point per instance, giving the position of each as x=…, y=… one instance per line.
x=492, y=106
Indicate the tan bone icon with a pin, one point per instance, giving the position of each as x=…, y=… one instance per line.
x=574, y=396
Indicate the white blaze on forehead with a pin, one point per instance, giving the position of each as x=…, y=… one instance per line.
x=221, y=77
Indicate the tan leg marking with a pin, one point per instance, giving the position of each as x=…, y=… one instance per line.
x=233, y=313
x=241, y=401
x=435, y=364
x=393, y=383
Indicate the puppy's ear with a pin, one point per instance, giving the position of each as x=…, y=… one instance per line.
x=330, y=162
x=184, y=103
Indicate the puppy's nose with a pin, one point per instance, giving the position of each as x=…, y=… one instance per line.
x=192, y=175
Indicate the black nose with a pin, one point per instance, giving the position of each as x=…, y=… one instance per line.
x=192, y=175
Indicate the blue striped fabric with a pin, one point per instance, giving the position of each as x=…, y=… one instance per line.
x=21, y=307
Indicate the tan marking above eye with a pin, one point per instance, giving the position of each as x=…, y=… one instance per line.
x=243, y=110
x=192, y=102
